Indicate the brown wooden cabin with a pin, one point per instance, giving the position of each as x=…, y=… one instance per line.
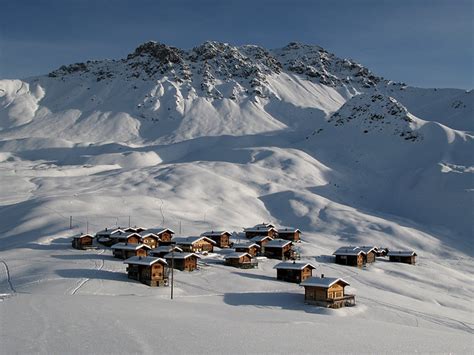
x=261, y=240
x=150, y=239
x=402, y=256
x=194, y=244
x=162, y=250
x=165, y=235
x=279, y=249
x=327, y=292
x=107, y=236
x=294, y=272
x=352, y=256
x=129, y=238
x=83, y=241
x=370, y=253
x=241, y=260
x=134, y=229
x=261, y=229
x=222, y=238
x=182, y=261
x=148, y=270
x=251, y=248
x=292, y=234
x=381, y=252
x=125, y=251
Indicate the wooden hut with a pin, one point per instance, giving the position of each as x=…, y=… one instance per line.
x=327, y=292
x=241, y=260
x=195, y=244
x=107, y=236
x=220, y=237
x=279, y=249
x=129, y=238
x=261, y=240
x=83, y=241
x=402, y=256
x=261, y=229
x=162, y=250
x=352, y=256
x=370, y=253
x=125, y=250
x=165, y=235
x=381, y=252
x=251, y=248
x=148, y=270
x=292, y=234
x=182, y=261
x=149, y=238
x=294, y=272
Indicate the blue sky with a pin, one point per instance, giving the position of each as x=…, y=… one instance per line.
x=423, y=43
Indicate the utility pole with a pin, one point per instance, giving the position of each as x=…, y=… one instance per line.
x=70, y=222
x=172, y=270
x=129, y=222
x=180, y=227
x=87, y=225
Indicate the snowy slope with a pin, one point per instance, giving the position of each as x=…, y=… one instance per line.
x=226, y=137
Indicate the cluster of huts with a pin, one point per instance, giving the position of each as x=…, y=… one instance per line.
x=150, y=253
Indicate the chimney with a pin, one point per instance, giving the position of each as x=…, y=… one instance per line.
x=322, y=276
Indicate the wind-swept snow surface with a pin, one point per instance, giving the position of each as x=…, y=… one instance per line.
x=223, y=137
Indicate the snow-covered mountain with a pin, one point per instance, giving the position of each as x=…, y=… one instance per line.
x=221, y=136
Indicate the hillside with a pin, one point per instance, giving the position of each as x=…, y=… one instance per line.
x=220, y=136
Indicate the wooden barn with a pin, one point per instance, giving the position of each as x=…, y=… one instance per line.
x=327, y=292
x=251, y=248
x=129, y=238
x=370, y=253
x=182, y=261
x=222, y=238
x=162, y=250
x=279, y=249
x=150, y=239
x=148, y=270
x=194, y=244
x=292, y=234
x=294, y=272
x=107, y=236
x=261, y=229
x=240, y=260
x=125, y=251
x=352, y=256
x=165, y=235
x=134, y=229
x=402, y=256
x=261, y=240
x=83, y=241
x=381, y=252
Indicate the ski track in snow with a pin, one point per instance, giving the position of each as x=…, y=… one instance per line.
x=8, y=276
x=98, y=266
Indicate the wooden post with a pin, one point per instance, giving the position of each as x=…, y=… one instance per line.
x=172, y=270
x=129, y=222
x=70, y=222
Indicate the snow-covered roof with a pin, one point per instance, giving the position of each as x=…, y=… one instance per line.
x=126, y=235
x=145, y=234
x=401, y=253
x=288, y=230
x=260, y=238
x=128, y=246
x=214, y=233
x=245, y=245
x=180, y=255
x=236, y=255
x=278, y=243
x=323, y=282
x=144, y=260
x=83, y=235
x=191, y=240
x=293, y=266
x=109, y=231
x=349, y=250
x=158, y=230
x=259, y=229
x=166, y=249
x=368, y=249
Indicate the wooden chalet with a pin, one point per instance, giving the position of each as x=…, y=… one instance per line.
x=327, y=292
x=125, y=250
x=261, y=229
x=251, y=248
x=292, y=234
x=83, y=241
x=182, y=261
x=148, y=270
x=279, y=249
x=107, y=236
x=134, y=229
x=195, y=244
x=149, y=238
x=370, y=253
x=381, y=252
x=241, y=260
x=165, y=235
x=261, y=240
x=402, y=256
x=221, y=238
x=129, y=238
x=352, y=256
x=162, y=250
x=294, y=272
